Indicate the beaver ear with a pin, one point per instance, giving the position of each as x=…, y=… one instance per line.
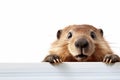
x=59, y=34
x=101, y=31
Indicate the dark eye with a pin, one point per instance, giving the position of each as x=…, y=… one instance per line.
x=92, y=34
x=69, y=35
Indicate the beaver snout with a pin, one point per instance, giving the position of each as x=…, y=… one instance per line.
x=81, y=43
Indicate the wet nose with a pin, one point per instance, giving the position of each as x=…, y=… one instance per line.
x=81, y=43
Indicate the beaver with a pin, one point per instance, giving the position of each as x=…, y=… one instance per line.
x=80, y=43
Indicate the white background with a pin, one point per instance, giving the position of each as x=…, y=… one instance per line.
x=28, y=27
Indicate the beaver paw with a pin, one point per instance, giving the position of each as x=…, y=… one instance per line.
x=53, y=59
x=111, y=58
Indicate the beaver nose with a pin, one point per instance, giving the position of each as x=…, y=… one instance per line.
x=81, y=43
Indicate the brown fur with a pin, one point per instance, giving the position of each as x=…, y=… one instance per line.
x=65, y=48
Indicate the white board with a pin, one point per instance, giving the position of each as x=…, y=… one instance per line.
x=64, y=71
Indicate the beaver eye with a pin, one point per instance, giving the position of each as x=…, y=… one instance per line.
x=92, y=34
x=69, y=35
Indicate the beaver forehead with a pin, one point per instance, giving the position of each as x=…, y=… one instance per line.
x=83, y=27
x=80, y=28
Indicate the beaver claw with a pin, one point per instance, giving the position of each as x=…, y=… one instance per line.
x=111, y=58
x=53, y=59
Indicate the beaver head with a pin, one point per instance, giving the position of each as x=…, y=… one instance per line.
x=81, y=40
